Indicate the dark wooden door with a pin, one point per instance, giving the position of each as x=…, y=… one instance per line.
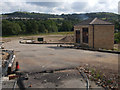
x=77, y=36
x=85, y=35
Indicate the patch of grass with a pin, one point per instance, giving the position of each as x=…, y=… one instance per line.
x=56, y=18
x=54, y=33
x=109, y=81
x=92, y=71
x=116, y=49
x=103, y=18
x=97, y=75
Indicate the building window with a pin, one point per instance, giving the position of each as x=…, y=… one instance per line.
x=85, y=35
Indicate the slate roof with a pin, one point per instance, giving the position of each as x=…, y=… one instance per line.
x=94, y=21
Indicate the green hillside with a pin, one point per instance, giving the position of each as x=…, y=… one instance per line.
x=37, y=23
x=100, y=15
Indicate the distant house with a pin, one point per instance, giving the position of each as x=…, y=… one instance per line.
x=94, y=33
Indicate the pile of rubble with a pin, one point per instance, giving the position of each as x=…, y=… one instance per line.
x=68, y=38
x=4, y=57
x=101, y=79
x=8, y=61
x=1, y=45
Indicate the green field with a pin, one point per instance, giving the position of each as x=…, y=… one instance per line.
x=56, y=18
x=54, y=33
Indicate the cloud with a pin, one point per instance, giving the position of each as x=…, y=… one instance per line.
x=79, y=6
x=59, y=7
x=119, y=7
x=44, y=4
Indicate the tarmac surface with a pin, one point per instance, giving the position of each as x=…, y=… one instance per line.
x=34, y=58
x=62, y=79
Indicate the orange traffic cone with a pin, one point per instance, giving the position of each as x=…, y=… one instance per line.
x=17, y=67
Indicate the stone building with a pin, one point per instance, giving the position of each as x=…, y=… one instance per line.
x=94, y=33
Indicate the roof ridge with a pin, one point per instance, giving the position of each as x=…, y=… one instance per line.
x=93, y=20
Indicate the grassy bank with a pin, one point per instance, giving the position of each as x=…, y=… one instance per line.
x=54, y=33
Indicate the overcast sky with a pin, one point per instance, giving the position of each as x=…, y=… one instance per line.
x=59, y=6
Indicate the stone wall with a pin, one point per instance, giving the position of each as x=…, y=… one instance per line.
x=104, y=36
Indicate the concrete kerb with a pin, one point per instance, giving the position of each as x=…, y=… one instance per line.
x=91, y=49
x=48, y=43
x=83, y=48
x=85, y=78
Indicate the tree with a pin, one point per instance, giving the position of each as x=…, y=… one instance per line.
x=51, y=26
x=117, y=37
x=66, y=26
x=31, y=27
x=23, y=27
x=9, y=28
x=34, y=28
x=117, y=25
x=41, y=28
x=16, y=29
